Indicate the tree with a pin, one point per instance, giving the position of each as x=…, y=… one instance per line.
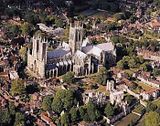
x=46, y=103
x=19, y=119
x=57, y=105
x=101, y=76
x=146, y=67
x=129, y=99
x=4, y=117
x=11, y=108
x=109, y=110
x=23, y=53
x=156, y=71
x=26, y=28
x=59, y=23
x=120, y=64
x=65, y=119
x=69, y=99
x=132, y=63
x=82, y=112
x=93, y=112
x=17, y=87
x=115, y=39
x=73, y=114
x=68, y=77
x=13, y=31
x=63, y=100
x=152, y=119
x=31, y=17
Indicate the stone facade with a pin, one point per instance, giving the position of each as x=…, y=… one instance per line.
x=82, y=59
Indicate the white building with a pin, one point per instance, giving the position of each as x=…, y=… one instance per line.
x=13, y=75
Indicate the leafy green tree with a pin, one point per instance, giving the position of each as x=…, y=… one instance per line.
x=74, y=114
x=68, y=77
x=57, y=103
x=86, y=117
x=13, y=31
x=46, y=103
x=109, y=110
x=63, y=100
x=156, y=71
x=4, y=117
x=42, y=17
x=101, y=76
x=132, y=63
x=82, y=112
x=65, y=119
x=146, y=67
x=115, y=39
x=17, y=87
x=59, y=23
x=120, y=64
x=69, y=99
x=129, y=99
x=26, y=28
x=19, y=119
x=93, y=112
x=31, y=17
x=152, y=119
x=11, y=108
x=23, y=53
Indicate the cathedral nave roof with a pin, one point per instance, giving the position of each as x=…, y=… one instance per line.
x=57, y=53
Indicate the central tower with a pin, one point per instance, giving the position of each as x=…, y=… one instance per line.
x=75, y=36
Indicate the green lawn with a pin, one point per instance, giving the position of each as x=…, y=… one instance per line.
x=157, y=102
x=127, y=120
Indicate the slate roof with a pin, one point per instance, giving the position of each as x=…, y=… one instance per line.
x=61, y=52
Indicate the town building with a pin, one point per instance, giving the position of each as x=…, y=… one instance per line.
x=81, y=58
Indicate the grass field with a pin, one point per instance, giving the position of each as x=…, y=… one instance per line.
x=157, y=102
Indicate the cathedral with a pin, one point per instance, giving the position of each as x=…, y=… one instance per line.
x=78, y=55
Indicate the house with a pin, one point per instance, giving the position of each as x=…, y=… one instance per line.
x=154, y=25
x=45, y=117
x=35, y=101
x=110, y=85
x=39, y=122
x=116, y=97
x=3, y=102
x=152, y=94
x=98, y=98
x=55, y=32
x=149, y=55
x=13, y=75
x=146, y=78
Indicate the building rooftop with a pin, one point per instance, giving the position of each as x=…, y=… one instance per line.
x=106, y=46
x=57, y=53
